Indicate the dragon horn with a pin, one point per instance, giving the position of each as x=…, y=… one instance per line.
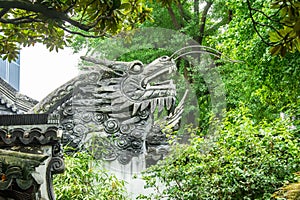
x=102, y=63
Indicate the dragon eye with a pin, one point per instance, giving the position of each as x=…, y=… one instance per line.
x=136, y=68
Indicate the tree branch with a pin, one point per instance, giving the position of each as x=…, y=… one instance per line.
x=81, y=34
x=47, y=12
x=173, y=17
x=269, y=18
x=3, y=11
x=254, y=25
x=278, y=11
x=84, y=11
x=99, y=18
x=182, y=12
x=19, y=20
x=216, y=26
x=70, y=7
x=196, y=11
x=203, y=22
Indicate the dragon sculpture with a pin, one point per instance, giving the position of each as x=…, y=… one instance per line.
x=111, y=107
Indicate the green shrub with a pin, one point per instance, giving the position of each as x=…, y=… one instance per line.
x=243, y=160
x=84, y=179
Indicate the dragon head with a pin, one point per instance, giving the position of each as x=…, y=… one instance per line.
x=136, y=86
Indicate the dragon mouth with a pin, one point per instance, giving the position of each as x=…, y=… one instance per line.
x=159, y=74
x=159, y=92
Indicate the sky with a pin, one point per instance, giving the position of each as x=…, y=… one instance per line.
x=43, y=71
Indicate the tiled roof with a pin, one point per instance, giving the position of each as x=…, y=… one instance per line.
x=25, y=129
x=18, y=135
x=15, y=102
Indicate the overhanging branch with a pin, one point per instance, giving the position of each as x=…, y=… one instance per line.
x=255, y=23
x=20, y=21
x=3, y=11
x=81, y=34
x=47, y=12
x=269, y=18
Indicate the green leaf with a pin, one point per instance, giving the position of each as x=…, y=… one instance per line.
x=125, y=6
x=297, y=43
x=297, y=27
x=275, y=50
x=275, y=37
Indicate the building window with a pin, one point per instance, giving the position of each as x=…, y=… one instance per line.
x=10, y=72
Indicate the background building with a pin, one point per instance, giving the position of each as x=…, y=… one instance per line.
x=10, y=72
x=11, y=101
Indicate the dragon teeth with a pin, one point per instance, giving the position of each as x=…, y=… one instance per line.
x=153, y=105
x=161, y=104
x=168, y=101
x=135, y=108
x=144, y=105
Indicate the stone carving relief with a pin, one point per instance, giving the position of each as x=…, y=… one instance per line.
x=111, y=108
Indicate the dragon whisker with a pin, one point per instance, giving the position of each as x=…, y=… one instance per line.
x=202, y=50
x=206, y=49
x=194, y=52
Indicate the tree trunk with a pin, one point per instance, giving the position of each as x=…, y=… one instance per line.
x=173, y=17
x=203, y=21
x=196, y=11
x=182, y=12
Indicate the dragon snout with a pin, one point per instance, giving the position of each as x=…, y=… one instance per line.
x=157, y=72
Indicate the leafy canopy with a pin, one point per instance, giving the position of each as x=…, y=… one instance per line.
x=53, y=22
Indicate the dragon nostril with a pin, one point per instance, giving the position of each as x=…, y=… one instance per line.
x=164, y=58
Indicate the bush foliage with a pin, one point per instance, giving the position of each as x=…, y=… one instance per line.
x=85, y=179
x=244, y=160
